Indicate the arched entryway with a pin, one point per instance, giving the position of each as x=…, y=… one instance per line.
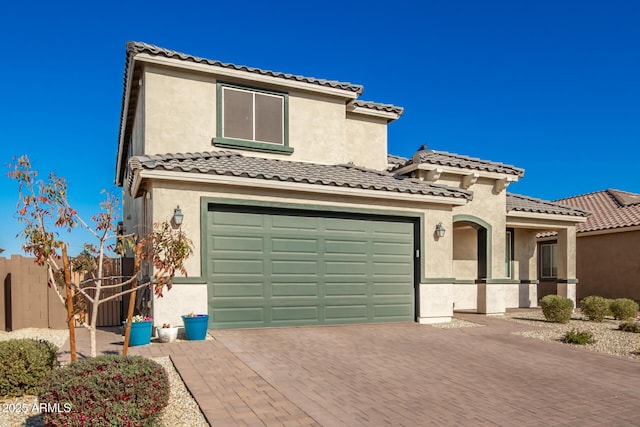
x=471, y=259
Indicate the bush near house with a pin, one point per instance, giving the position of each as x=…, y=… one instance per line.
x=623, y=308
x=578, y=337
x=24, y=363
x=556, y=308
x=109, y=390
x=595, y=308
x=630, y=326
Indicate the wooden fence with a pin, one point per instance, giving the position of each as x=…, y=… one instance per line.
x=26, y=300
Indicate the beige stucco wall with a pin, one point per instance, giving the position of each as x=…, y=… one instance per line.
x=525, y=254
x=180, y=116
x=608, y=265
x=366, y=141
x=180, y=111
x=465, y=296
x=491, y=208
x=165, y=196
x=465, y=253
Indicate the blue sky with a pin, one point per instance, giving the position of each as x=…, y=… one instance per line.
x=549, y=86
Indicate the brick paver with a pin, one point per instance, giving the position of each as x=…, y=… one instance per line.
x=401, y=375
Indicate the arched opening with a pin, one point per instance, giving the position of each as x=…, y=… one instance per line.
x=471, y=248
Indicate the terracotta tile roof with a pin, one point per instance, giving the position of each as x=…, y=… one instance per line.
x=389, y=108
x=516, y=202
x=611, y=209
x=456, y=160
x=235, y=164
x=139, y=47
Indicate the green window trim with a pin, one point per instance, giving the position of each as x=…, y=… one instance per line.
x=251, y=144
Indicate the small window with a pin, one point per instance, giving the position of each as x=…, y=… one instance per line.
x=548, y=260
x=509, y=254
x=251, y=118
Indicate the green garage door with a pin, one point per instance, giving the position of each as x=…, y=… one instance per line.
x=285, y=268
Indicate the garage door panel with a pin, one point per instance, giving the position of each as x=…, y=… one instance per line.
x=235, y=221
x=280, y=223
x=397, y=249
x=392, y=310
x=345, y=268
x=294, y=267
x=242, y=244
x=391, y=289
x=276, y=269
x=239, y=266
x=294, y=289
x=342, y=247
x=344, y=312
x=287, y=246
x=239, y=315
x=293, y=314
x=238, y=290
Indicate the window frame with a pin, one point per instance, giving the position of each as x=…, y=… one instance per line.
x=554, y=260
x=509, y=252
x=221, y=141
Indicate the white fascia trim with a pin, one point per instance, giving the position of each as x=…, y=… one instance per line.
x=607, y=231
x=458, y=171
x=291, y=186
x=544, y=216
x=244, y=75
x=372, y=112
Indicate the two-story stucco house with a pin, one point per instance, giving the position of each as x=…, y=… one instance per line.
x=298, y=214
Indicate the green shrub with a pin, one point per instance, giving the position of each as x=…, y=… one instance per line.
x=106, y=391
x=623, y=308
x=556, y=308
x=578, y=337
x=595, y=308
x=630, y=326
x=24, y=363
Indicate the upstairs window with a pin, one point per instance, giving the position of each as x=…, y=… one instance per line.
x=252, y=118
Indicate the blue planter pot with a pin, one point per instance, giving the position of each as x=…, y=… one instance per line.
x=196, y=327
x=140, y=333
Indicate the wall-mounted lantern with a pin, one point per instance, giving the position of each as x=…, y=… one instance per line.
x=178, y=216
x=440, y=230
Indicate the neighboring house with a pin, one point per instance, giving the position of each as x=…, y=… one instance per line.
x=608, y=244
x=298, y=214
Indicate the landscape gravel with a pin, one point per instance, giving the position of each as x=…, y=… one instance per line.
x=608, y=339
x=182, y=409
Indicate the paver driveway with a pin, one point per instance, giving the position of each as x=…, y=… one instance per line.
x=403, y=375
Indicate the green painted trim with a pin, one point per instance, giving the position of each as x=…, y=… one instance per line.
x=475, y=220
x=499, y=281
x=251, y=145
x=220, y=141
x=189, y=280
x=529, y=282
x=464, y=282
x=437, y=280
x=569, y=281
x=205, y=201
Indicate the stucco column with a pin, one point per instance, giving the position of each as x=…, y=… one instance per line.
x=567, y=263
x=491, y=297
x=526, y=266
x=436, y=301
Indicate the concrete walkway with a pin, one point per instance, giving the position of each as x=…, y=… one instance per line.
x=401, y=375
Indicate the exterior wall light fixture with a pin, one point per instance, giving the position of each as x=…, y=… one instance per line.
x=178, y=216
x=440, y=230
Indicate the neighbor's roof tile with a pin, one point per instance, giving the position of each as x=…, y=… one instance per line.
x=456, y=160
x=611, y=209
x=235, y=164
x=517, y=202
